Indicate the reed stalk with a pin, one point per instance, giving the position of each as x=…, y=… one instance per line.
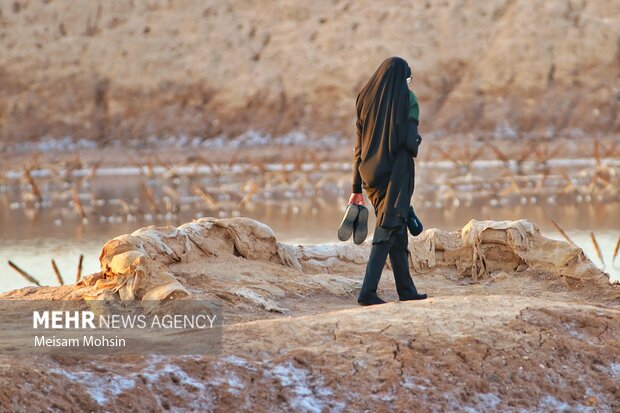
x=24, y=274
x=564, y=234
x=78, y=275
x=211, y=202
x=148, y=194
x=597, y=248
x=35, y=188
x=57, y=273
x=78, y=204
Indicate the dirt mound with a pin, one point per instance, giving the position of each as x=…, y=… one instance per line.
x=486, y=354
x=502, y=329
x=482, y=247
x=240, y=262
x=133, y=69
x=145, y=264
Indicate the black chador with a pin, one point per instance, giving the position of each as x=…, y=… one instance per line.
x=383, y=165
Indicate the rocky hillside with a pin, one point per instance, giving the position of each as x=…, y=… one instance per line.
x=152, y=67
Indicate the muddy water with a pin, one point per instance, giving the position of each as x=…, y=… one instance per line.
x=32, y=242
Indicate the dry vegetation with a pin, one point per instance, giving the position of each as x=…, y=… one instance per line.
x=214, y=182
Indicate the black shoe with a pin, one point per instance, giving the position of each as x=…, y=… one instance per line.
x=413, y=223
x=372, y=300
x=411, y=297
x=345, y=230
x=360, y=227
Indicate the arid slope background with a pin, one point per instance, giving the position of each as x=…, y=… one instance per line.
x=118, y=70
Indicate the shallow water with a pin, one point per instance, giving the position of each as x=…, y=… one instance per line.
x=32, y=242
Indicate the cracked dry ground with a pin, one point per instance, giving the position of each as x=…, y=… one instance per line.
x=523, y=341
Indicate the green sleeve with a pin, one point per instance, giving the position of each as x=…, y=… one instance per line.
x=414, y=107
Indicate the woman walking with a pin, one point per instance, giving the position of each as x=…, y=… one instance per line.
x=383, y=164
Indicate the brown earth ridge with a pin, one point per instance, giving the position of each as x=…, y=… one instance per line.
x=514, y=322
x=119, y=70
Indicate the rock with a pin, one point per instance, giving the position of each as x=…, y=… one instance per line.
x=500, y=275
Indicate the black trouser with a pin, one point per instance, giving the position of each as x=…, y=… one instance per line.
x=396, y=248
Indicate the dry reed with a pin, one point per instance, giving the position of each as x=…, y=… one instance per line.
x=78, y=204
x=24, y=274
x=597, y=248
x=78, y=275
x=616, y=249
x=564, y=234
x=57, y=273
x=35, y=188
x=209, y=199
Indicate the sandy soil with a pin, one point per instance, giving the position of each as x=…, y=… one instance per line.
x=525, y=340
x=481, y=348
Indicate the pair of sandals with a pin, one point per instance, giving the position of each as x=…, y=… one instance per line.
x=355, y=222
